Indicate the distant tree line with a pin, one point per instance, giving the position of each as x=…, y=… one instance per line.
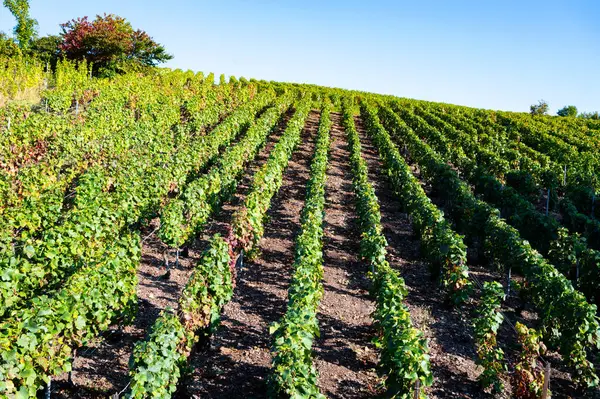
x=567, y=110
x=589, y=115
x=109, y=43
x=541, y=108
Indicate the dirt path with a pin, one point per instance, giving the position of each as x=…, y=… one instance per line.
x=344, y=355
x=238, y=360
x=102, y=367
x=450, y=336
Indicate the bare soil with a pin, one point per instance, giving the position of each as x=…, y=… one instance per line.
x=101, y=368
x=238, y=359
x=447, y=329
x=344, y=354
x=515, y=308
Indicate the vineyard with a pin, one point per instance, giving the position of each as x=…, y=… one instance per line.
x=164, y=235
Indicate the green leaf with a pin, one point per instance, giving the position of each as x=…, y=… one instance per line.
x=23, y=393
x=80, y=322
x=29, y=251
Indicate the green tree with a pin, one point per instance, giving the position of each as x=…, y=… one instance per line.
x=110, y=44
x=26, y=27
x=8, y=46
x=589, y=115
x=46, y=49
x=567, y=110
x=541, y=108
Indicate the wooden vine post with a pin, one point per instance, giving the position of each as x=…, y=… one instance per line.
x=546, y=381
x=70, y=375
x=48, y=392
x=239, y=263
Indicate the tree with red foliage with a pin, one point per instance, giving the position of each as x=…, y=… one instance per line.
x=111, y=44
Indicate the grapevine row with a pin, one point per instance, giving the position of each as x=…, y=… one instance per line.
x=248, y=222
x=403, y=349
x=293, y=373
x=567, y=319
x=443, y=248
x=38, y=344
x=39, y=339
x=158, y=362
x=185, y=216
x=542, y=231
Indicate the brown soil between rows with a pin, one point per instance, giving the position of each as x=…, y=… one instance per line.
x=448, y=330
x=344, y=354
x=515, y=308
x=102, y=367
x=237, y=361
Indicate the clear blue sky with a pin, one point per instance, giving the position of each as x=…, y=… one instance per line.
x=485, y=53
